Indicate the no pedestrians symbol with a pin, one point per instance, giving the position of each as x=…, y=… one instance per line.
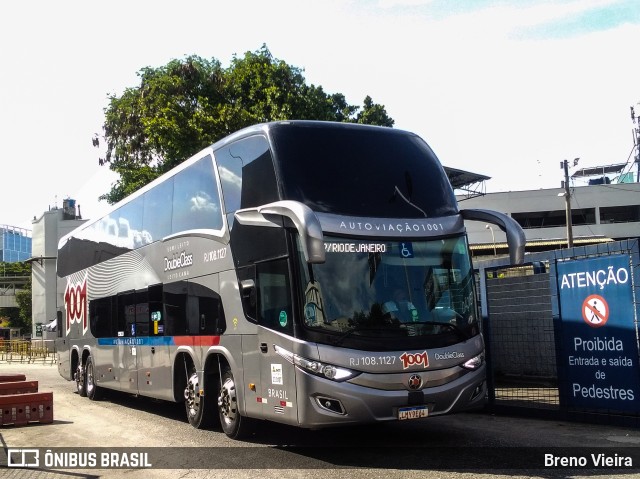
x=595, y=311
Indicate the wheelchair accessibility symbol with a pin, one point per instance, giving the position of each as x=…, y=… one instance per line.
x=595, y=311
x=406, y=250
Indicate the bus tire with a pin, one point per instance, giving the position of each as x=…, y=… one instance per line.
x=234, y=425
x=200, y=409
x=80, y=377
x=94, y=392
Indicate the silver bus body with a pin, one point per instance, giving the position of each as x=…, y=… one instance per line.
x=273, y=305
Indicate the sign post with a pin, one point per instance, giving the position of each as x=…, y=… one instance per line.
x=599, y=334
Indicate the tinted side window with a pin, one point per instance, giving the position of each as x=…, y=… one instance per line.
x=246, y=173
x=142, y=313
x=259, y=185
x=158, y=208
x=205, y=314
x=274, y=298
x=196, y=204
x=230, y=171
x=78, y=254
x=127, y=314
x=101, y=319
x=128, y=224
x=175, y=308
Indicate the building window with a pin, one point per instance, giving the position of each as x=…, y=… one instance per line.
x=15, y=244
x=620, y=214
x=583, y=216
x=540, y=219
x=554, y=219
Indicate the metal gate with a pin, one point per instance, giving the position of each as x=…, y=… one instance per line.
x=522, y=326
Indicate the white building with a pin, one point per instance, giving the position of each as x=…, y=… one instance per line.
x=600, y=212
x=47, y=231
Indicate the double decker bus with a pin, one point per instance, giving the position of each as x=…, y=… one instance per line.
x=309, y=273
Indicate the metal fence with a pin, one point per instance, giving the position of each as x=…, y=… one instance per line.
x=521, y=340
x=522, y=326
x=28, y=351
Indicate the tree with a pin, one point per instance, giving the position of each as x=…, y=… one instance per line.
x=24, y=317
x=374, y=114
x=180, y=108
x=171, y=115
x=21, y=316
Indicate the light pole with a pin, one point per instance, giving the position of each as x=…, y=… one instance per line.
x=488, y=227
x=567, y=199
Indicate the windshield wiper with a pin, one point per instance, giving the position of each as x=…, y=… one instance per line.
x=385, y=329
x=453, y=327
x=397, y=190
x=337, y=341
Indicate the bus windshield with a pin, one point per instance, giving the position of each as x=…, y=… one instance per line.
x=355, y=171
x=388, y=294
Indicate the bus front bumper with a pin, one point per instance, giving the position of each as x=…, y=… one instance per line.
x=324, y=403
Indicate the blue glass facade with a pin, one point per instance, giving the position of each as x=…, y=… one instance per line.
x=15, y=245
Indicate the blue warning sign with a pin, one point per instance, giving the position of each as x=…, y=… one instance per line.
x=598, y=334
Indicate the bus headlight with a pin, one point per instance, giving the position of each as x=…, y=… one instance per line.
x=327, y=371
x=317, y=368
x=474, y=363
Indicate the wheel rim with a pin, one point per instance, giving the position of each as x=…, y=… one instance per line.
x=79, y=378
x=192, y=395
x=227, y=402
x=90, y=380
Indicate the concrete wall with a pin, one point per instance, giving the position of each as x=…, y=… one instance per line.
x=47, y=231
x=594, y=196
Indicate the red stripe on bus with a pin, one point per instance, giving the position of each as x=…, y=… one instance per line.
x=196, y=340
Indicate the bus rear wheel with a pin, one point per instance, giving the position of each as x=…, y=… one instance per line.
x=94, y=392
x=80, y=377
x=233, y=423
x=200, y=408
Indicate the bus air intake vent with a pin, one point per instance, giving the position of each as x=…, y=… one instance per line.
x=332, y=405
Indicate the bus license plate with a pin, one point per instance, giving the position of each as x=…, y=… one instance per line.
x=415, y=412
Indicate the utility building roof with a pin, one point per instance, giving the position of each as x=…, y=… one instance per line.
x=472, y=183
x=598, y=170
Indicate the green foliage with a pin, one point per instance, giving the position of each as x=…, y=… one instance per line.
x=180, y=108
x=10, y=315
x=24, y=318
x=374, y=114
x=15, y=269
x=21, y=316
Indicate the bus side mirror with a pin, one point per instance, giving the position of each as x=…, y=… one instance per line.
x=303, y=218
x=516, y=238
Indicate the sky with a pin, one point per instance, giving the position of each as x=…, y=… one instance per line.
x=507, y=89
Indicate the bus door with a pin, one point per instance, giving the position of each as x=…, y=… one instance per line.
x=153, y=358
x=126, y=350
x=275, y=340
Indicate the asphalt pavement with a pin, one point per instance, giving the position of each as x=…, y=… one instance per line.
x=127, y=436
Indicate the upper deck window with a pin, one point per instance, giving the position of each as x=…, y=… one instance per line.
x=246, y=173
x=186, y=201
x=196, y=204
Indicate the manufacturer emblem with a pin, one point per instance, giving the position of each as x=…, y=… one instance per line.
x=415, y=382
